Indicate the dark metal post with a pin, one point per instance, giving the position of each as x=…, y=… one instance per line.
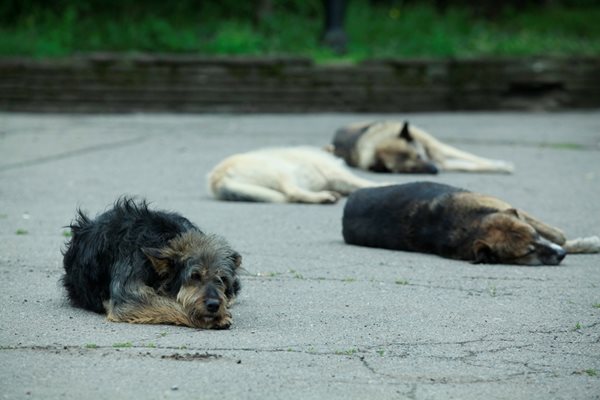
x=334, y=36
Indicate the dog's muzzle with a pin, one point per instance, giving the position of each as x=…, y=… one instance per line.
x=551, y=254
x=212, y=305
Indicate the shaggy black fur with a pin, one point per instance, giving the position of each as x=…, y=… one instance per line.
x=146, y=266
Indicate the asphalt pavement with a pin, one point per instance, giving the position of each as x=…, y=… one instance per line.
x=316, y=318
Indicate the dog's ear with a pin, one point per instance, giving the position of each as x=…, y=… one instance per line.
x=405, y=132
x=482, y=253
x=236, y=258
x=513, y=212
x=159, y=261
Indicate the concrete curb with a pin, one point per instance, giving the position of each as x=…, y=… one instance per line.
x=167, y=83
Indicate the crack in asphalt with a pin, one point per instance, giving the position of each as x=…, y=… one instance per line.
x=357, y=351
x=74, y=153
x=457, y=380
x=280, y=278
x=574, y=330
x=184, y=353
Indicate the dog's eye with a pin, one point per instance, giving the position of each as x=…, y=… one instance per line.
x=224, y=281
x=196, y=276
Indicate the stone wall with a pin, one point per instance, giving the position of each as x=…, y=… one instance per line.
x=159, y=83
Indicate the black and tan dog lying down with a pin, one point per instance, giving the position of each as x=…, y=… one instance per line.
x=391, y=146
x=440, y=219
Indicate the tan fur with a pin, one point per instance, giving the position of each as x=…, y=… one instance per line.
x=510, y=230
x=280, y=175
x=383, y=135
x=156, y=309
x=188, y=308
x=508, y=236
x=583, y=245
x=192, y=299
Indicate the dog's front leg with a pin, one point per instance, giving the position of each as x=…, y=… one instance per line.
x=156, y=311
x=221, y=322
x=551, y=233
x=142, y=305
x=345, y=183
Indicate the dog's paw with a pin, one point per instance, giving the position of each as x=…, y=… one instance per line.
x=329, y=197
x=223, y=323
x=213, y=323
x=590, y=244
x=505, y=167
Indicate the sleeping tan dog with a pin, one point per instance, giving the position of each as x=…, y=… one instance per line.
x=399, y=147
x=284, y=175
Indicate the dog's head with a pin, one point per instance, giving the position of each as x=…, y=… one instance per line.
x=508, y=239
x=200, y=271
x=402, y=153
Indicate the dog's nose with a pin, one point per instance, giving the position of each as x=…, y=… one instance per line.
x=431, y=169
x=561, y=254
x=212, y=305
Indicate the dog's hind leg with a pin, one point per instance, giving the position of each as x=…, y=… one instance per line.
x=345, y=183
x=589, y=244
x=241, y=191
x=297, y=194
x=450, y=158
x=480, y=165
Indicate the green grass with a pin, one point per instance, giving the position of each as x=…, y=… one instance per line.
x=564, y=146
x=410, y=30
x=348, y=352
x=122, y=345
x=21, y=231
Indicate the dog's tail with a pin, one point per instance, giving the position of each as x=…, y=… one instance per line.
x=585, y=245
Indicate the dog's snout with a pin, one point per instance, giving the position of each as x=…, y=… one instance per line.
x=552, y=254
x=431, y=168
x=425, y=168
x=212, y=305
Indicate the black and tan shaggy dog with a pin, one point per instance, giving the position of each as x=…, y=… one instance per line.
x=150, y=267
x=391, y=146
x=450, y=222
